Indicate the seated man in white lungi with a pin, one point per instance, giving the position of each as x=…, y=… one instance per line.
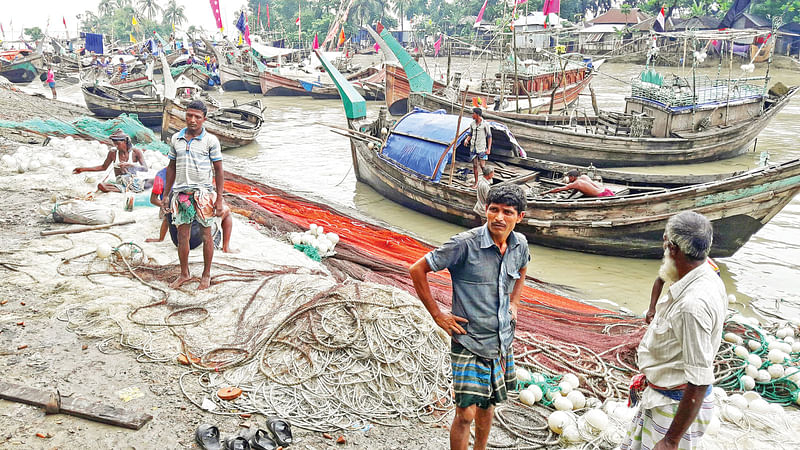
x=676, y=355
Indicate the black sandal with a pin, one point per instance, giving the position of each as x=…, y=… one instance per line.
x=207, y=437
x=281, y=431
x=261, y=440
x=237, y=443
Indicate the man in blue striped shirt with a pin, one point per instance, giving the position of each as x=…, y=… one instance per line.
x=195, y=166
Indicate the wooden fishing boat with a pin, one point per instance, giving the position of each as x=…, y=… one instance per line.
x=234, y=126
x=630, y=223
x=198, y=75
x=107, y=102
x=20, y=66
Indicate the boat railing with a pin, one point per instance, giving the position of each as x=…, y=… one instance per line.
x=678, y=91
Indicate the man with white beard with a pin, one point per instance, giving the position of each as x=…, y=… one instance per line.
x=676, y=355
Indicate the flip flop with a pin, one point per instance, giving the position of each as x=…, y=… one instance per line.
x=207, y=436
x=280, y=430
x=261, y=440
x=237, y=443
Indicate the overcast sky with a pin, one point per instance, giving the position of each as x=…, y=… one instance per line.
x=19, y=14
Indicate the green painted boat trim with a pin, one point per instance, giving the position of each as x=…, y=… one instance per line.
x=355, y=107
x=748, y=191
x=418, y=79
x=261, y=66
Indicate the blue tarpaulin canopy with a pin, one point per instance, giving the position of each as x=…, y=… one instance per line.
x=419, y=139
x=94, y=43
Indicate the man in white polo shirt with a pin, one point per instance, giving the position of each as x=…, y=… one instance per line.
x=195, y=166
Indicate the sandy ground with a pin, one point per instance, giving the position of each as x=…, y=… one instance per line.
x=37, y=350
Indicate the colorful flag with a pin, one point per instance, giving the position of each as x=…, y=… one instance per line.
x=240, y=22
x=133, y=39
x=134, y=22
x=215, y=11
x=480, y=13
x=268, y=25
x=247, y=32
x=315, y=45
x=64, y=19
x=258, y=16
x=658, y=25
x=519, y=2
x=437, y=46
x=341, y=38
x=551, y=6
x=376, y=47
x=173, y=28
x=240, y=41
x=297, y=21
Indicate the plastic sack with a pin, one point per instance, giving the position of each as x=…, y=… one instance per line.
x=82, y=212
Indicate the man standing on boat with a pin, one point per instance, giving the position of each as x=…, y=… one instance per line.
x=484, y=184
x=676, y=354
x=195, y=159
x=479, y=141
x=487, y=267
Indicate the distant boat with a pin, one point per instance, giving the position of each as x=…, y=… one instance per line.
x=20, y=66
x=234, y=126
x=107, y=102
x=409, y=162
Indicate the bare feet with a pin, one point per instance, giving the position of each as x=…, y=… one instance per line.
x=230, y=250
x=183, y=279
x=153, y=240
x=205, y=282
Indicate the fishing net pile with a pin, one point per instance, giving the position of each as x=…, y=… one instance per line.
x=175, y=71
x=93, y=129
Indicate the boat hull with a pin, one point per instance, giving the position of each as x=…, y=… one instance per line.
x=628, y=226
x=149, y=112
x=22, y=71
x=229, y=135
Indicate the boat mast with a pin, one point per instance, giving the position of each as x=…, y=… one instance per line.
x=730, y=69
x=516, y=76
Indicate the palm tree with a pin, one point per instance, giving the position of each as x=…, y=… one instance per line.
x=105, y=7
x=401, y=5
x=366, y=11
x=123, y=3
x=174, y=14
x=149, y=8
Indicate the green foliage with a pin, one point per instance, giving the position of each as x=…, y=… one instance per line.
x=34, y=33
x=771, y=9
x=116, y=22
x=174, y=14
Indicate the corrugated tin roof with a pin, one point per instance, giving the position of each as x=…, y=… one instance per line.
x=615, y=16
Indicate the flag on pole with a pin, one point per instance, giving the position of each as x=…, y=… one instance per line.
x=315, y=45
x=376, y=47
x=215, y=11
x=551, y=6
x=258, y=16
x=658, y=25
x=437, y=46
x=133, y=39
x=64, y=19
x=240, y=41
x=240, y=22
x=134, y=22
x=297, y=21
x=341, y=38
x=268, y=25
x=480, y=13
x=247, y=31
x=173, y=28
x=519, y=2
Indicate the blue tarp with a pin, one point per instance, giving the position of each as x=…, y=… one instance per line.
x=94, y=43
x=419, y=139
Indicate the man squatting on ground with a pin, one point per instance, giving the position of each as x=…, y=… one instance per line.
x=676, y=354
x=127, y=160
x=479, y=141
x=195, y=159
x=487, y=267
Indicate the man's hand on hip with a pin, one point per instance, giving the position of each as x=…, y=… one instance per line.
x=450, y=323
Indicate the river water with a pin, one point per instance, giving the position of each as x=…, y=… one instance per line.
x=297, y=151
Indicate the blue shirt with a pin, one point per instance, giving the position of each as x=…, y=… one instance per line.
x=194, y=158
x=482, y=283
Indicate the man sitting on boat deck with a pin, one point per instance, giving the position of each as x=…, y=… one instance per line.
x=479, y=141
x=676, y=354
x=126, y=160
x=195, y=170
x=123, y=69
x=584, y=184
x=484, y=184
x=487, y=266
x=196, y=234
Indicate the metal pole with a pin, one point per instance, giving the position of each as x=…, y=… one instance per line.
x=515, y=91
x=449, y=55
x=728, y=101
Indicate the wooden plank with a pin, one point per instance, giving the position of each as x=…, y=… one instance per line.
x=78, y=407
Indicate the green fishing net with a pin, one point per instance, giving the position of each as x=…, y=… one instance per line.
x=175, y=71
x=91, y=128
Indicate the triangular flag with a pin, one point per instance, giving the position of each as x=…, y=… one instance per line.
x=315, y=45
x=133, y=39
x=437, y=46
x=240, y=41
x=63, y=19
x=173, y=27
x=480, y=13
x=551, y=6
x=376, y=47
x=134, y=21
x=268, y=25
x=658, y=25
x=297, y=22
x=341, y=38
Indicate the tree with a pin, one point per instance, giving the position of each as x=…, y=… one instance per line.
x=123, y=3
x=105, y=7
x=400, y=5
x=174, y=14
x=34, y=33
x=149, y=8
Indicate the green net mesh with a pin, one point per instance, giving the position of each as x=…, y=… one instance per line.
x=91, y=128
x=175, y=71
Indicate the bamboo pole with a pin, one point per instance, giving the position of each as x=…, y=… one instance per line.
x=730, y=69
x=85, y=228
x=455, y=139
